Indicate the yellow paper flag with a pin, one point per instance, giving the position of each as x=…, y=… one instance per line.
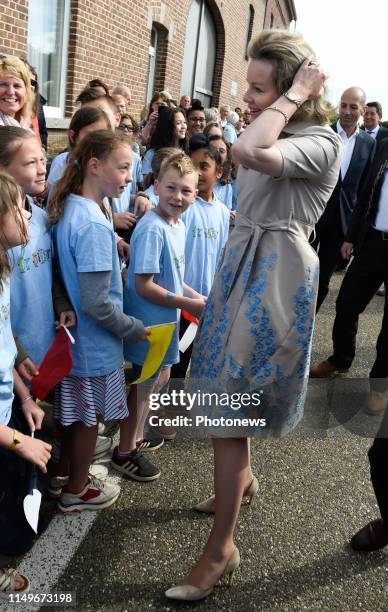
x=159, y=340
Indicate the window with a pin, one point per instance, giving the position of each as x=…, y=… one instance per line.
x=251, y=19
x=200, y=53
x=157, y=53
x=47, y=39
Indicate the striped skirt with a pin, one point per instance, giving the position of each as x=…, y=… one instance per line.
x=83, y=399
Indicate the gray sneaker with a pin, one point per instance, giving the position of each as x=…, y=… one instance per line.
x=95, y=496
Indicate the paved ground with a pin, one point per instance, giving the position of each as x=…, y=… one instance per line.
x=314, y=493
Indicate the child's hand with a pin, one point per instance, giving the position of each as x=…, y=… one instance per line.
x=196, y=306
x=27, y=369
x=124, y=220
x=34, y=415
x=123, y=249
x=143, y=337
x=142, y=204
x=35, y=451
x=232, y=215
x=67, y=318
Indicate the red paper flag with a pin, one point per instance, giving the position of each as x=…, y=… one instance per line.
x=56, y=364
x=186, y=315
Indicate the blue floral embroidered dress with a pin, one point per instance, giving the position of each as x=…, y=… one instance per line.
x=256, y=332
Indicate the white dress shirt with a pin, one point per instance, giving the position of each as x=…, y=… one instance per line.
x=348, y=147
x=381, y=222
x=373, y=132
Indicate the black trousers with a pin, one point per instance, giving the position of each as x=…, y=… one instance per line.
x=179, y=370
x=328, y=243
x=362, y=279
x=378, y=460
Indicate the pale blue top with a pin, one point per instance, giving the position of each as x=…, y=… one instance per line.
x=156, y=248
x=136, y=170
x=224, y=193
x=7, y=355
x=85, y=242
x=207, y=228
x=230, y=134
x=147, y=160
x=151, y=194
x=32, y=311
x=57, y=168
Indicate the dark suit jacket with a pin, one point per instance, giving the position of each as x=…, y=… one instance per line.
x=364, y=214
x=381, y=134
x=344, y=195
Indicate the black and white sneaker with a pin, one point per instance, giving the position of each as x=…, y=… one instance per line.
x=135, y=466
x=150, y=444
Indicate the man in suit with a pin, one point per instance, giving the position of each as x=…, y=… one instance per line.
x=373, y=113
x=358, y=152
x=367, y=237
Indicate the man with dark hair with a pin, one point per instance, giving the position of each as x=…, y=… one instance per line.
x=196, y=120
x=367, y=236
x=373, y=114
x=93, y=97
x=358, y=152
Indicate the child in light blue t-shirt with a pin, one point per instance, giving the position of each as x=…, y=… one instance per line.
x=155, y=290
x=86, y=250
x=157, y=160
x=207, y=228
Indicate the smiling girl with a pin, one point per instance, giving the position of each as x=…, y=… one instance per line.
x=89, y=265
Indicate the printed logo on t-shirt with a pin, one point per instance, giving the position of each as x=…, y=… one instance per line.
x=41, y=256
x=179, y=261
x=207, y=232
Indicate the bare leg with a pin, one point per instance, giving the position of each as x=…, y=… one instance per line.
x=128, y=426
x=231, y=477
x=83, y=442
x=162, y=380
x=63, y=466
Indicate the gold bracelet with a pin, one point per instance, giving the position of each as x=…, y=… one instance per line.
x=278, y=110
x=15, y=440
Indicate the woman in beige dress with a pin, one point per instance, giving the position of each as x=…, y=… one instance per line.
x=256, y=332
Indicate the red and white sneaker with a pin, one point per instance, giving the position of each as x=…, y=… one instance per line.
x=95, y=496
x=56, y=484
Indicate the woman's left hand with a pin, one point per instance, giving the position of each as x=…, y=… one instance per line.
x=309, y=81
x=34, y=415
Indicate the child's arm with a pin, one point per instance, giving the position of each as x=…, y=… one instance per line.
x=31, y=449
x=62, y=305
x=34, y=415
x=192, y=293
x=95, y=302
x=152, y=292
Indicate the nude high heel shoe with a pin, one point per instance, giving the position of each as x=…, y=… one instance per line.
x=188, y=592
x=207, y=505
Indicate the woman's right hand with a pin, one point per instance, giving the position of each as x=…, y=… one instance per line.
x=195, y=306
x=153, y=117
x=309, y=81
x=34, y=450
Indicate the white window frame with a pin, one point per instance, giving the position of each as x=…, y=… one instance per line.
x=59, y=111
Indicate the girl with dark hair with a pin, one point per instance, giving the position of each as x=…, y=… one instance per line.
x=170, y=131
x=223, y=188
x=84, y=121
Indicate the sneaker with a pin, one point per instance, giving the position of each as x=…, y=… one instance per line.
x=101, y=428
x=135, y=466
x=148, y=445
x=325, y=369
x=103, y=446
x=376, y=403
x=95, y=496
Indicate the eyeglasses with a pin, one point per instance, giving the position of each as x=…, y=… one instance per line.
x=197, y=120
x=34, y=83
x=126, y=128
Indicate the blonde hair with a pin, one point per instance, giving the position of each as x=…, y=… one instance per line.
x=9, y=198
x=287, y=51
x=10, y=64
x=179, y=162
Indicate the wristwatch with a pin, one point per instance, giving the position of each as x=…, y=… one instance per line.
x=293, y=97
x=15, y=441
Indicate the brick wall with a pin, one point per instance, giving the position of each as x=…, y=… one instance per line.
x=110, y=40
x=13, y=26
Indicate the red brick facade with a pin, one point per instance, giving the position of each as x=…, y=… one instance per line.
x=110, y=40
